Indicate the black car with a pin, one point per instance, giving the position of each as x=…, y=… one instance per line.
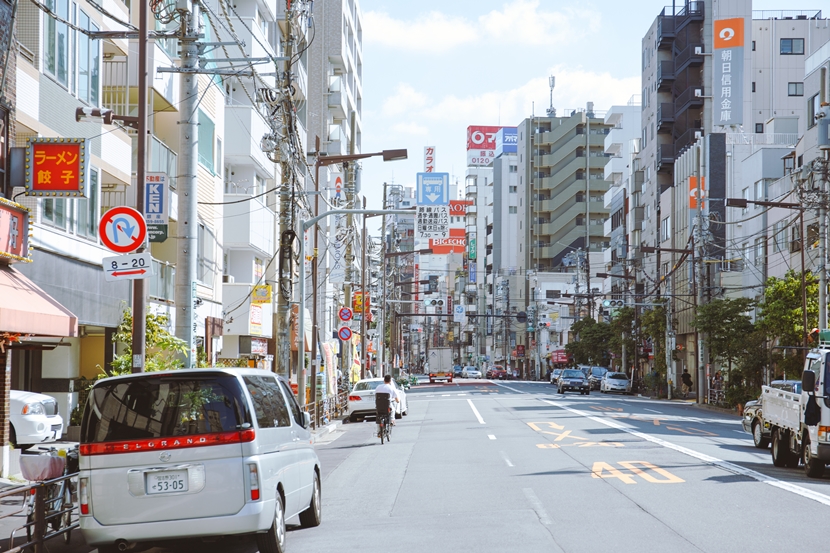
x=573, y=379
x=753, y=421
x=595, y=375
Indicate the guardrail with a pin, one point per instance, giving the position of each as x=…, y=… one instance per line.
x=328, y=408
x=44, y=520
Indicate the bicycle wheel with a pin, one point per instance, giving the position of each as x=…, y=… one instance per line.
x=54, y=505
x=66, y=518
x=382, y=432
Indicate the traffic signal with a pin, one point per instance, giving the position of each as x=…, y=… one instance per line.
x=613, y=304
x=434, y=303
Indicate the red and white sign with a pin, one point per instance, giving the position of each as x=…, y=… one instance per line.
x=481, y=145
x=429, y=159
x=417, y=298
x=454, y=243
x=345, y=314
x=14, y=231
x=458, y=208
x=122, y=229
x=345, y=333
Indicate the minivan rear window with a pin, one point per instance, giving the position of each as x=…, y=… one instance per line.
x=154, y=407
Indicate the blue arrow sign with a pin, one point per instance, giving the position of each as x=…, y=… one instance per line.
x=122, y=224
x=433, y=188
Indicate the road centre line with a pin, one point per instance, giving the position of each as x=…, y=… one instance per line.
x=506, y=460
x=491, y=436
x=652, y=411
x=538, y=507
x=720, y=463
x=475, y=411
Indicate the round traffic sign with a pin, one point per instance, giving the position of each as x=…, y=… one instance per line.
x=345, y=314
x=122, y=229
x=344, y=333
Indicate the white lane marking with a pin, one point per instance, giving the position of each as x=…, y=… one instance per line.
x=720, y=463
x=459, y=395
x=491, y=436
x=740, y=431
x=652, y=410
x=445, y=395
x=509, y=388
x=475, y=411
x=506, y=460
x=538, y=507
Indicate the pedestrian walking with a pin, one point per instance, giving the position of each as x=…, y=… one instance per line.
x=686, y=381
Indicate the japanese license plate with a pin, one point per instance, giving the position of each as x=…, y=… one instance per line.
x=170, y=481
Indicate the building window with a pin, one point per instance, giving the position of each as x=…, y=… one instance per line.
x=795, y=89
x=89, y=60
x=753, y=86
x=205, y=247
x=512, y=189
x=747, y=254
x=753, y=49
x=792, y=46
x=812, y=110
x=56, y=41
x=779, y=230
x=219, y=160
x=56, y=212
x=88, y=211
x=512, y=210
x=760, y=250
x=745, y=196
x=259, y=269
x=206, y=154
x=514, y=168
x=665, y=226
x=760, y=190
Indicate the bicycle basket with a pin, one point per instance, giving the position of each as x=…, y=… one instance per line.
x=41, y=467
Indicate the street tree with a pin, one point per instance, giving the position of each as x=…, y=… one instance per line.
x=726, y=326
x=623, y=332
x=591, y=346
x=653, y=327
x=780, y=318
x=164, y=350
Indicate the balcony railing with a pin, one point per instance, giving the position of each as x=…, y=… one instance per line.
x=665, y=74
x=163, y=283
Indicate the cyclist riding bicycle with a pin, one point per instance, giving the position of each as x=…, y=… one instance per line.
x=384, y=395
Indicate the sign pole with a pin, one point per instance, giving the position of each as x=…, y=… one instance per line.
x=139, y=334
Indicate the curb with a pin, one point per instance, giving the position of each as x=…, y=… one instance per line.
x=327, y=429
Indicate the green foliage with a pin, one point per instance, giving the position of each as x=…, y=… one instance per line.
x=592, y=343
x=163, y=350
x=653, y=327
x=621, y=332
x=726, y=326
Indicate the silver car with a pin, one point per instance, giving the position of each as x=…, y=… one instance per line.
x=615, y=382
x=195, y=453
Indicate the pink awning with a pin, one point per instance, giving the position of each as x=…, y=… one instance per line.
x=26, y=309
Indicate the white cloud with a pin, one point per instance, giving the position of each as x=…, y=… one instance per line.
x=519, y=22
x=432, y=32
x=410, y=129
x=403, y=101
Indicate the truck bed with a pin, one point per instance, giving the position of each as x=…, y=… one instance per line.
x=782, y=409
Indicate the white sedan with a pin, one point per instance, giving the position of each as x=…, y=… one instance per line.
x=615, y=382
x=470, y=372
x=34, y=419
x=362, y=399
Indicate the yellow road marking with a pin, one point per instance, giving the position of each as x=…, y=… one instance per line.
x=605, y=470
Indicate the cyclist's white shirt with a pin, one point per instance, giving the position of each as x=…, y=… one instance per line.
x=387, y=389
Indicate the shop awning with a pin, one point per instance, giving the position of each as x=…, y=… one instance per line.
x=26, y=309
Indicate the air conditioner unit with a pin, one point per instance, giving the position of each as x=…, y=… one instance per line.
x=698, y=92
x=698, y=134
x=227, y=279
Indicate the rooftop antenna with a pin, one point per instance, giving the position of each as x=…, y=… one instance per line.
x=552, y=83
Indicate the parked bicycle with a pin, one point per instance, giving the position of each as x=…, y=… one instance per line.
x=43, y=466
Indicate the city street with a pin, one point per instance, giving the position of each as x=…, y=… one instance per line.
x=511, y=466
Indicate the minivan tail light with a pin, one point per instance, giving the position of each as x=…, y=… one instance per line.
x=253, y=481
x=174, y=442
x=83, y=495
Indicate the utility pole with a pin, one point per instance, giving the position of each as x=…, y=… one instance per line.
x=139, y=333
x=382, y=325
x=364, y=361
x=350, y=191
x=287, y=234
x=700, y=249
x=187, y=256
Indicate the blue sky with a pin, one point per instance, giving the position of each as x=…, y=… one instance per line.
x=431, y=68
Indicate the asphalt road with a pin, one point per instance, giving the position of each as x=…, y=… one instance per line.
x=483, y=466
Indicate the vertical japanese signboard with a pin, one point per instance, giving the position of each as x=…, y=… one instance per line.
x=337, y=272
x=156, y=206
x=728, y=93
x=14, y=232
x=55, y=167
x=429, y=159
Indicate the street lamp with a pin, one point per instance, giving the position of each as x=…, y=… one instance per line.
x=742, y=203
x=322, y=161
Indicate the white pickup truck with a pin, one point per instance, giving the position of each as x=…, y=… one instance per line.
x=793, y=441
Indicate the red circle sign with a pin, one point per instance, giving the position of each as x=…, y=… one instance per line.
x=345, y=314
x=122, y=229
x=344, y=333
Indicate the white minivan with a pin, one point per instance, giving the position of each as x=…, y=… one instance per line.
x=195, y=453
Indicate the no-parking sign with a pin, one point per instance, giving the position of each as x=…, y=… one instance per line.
x=345, y=333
